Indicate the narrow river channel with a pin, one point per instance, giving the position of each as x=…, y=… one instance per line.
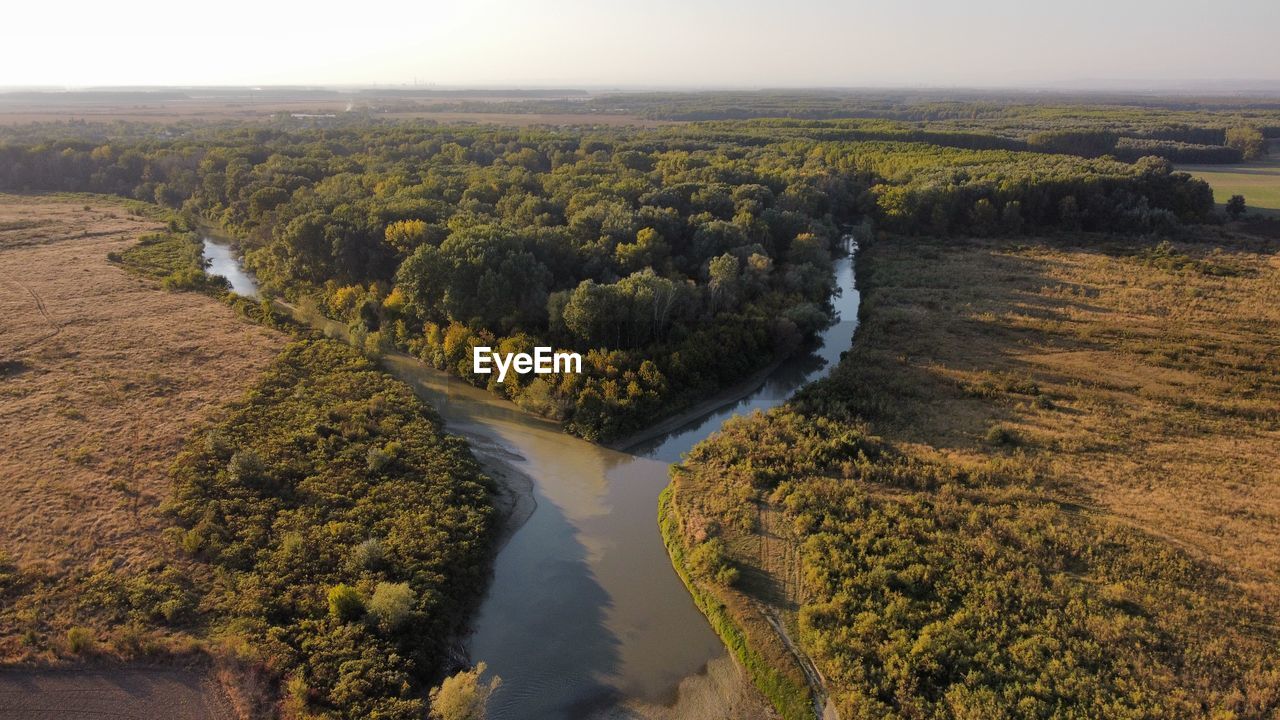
x=585, y=609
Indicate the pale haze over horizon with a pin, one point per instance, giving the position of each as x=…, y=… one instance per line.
x=669, y=43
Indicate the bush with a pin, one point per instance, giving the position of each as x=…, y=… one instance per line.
x=709, y=560
x=463, y=696
x=79, y=640
x=391, y=605
x=345, y=603
x=1236, y=207
x=368, y=555
x=1001, y=435
x=246, y=468
x=194, y=279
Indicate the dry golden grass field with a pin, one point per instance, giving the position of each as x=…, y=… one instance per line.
x=1140, y=381
x=103, y=375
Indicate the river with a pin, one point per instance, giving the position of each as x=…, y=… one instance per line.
x=585, y=610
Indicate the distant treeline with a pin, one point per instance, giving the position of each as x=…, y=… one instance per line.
x=676, y=260
x=1008, y=121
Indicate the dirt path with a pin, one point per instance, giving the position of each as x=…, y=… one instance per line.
x=146, y=694
x=780, y=563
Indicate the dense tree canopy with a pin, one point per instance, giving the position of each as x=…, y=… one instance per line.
x=678, y=259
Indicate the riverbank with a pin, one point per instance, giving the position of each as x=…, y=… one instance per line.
x=515, y=501
x=721, y=399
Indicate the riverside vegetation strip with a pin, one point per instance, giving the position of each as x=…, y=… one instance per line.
x=1041, y=485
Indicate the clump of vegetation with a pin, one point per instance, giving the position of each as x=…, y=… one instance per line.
x=345, y=602
x=1236, y=207
x=391, y=605
x=1248, y=140
x=79, y=640
x=163, y=255
x=348, y=580
x=463, y=696
x=1002, y=435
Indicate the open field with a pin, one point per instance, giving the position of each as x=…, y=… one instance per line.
x=1258, y=182
x=163, y=109
x=104, y=375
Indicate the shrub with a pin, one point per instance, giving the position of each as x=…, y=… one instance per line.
x=391, y=605
x=1001, y=435
x=709, y=560
x=368, y=555
x=463, y=696
x=194, y=279
x=1236, y=207
x=377, y=458
x=246, y=468
x=345, y=603
x=79, y=640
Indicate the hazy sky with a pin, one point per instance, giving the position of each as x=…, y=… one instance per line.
x=640, y=42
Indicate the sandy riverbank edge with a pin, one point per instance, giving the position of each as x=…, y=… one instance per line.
x=514, y=500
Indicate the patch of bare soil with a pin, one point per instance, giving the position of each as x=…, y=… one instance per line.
x=119, y=693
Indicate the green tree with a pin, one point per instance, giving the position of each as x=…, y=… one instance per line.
x=345, y=603
x=406, y=235
x=983, y=218
x=391, y=605
x=1236, y=207
x=1248, y=140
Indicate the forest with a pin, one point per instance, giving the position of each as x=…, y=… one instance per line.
x=676, y=260
x=1128, y=126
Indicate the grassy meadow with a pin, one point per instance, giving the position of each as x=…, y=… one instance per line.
x=1258, y=182
x=1038, y=448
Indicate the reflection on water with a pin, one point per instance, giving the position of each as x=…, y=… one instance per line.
x=220, y=259
x=585, y=608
